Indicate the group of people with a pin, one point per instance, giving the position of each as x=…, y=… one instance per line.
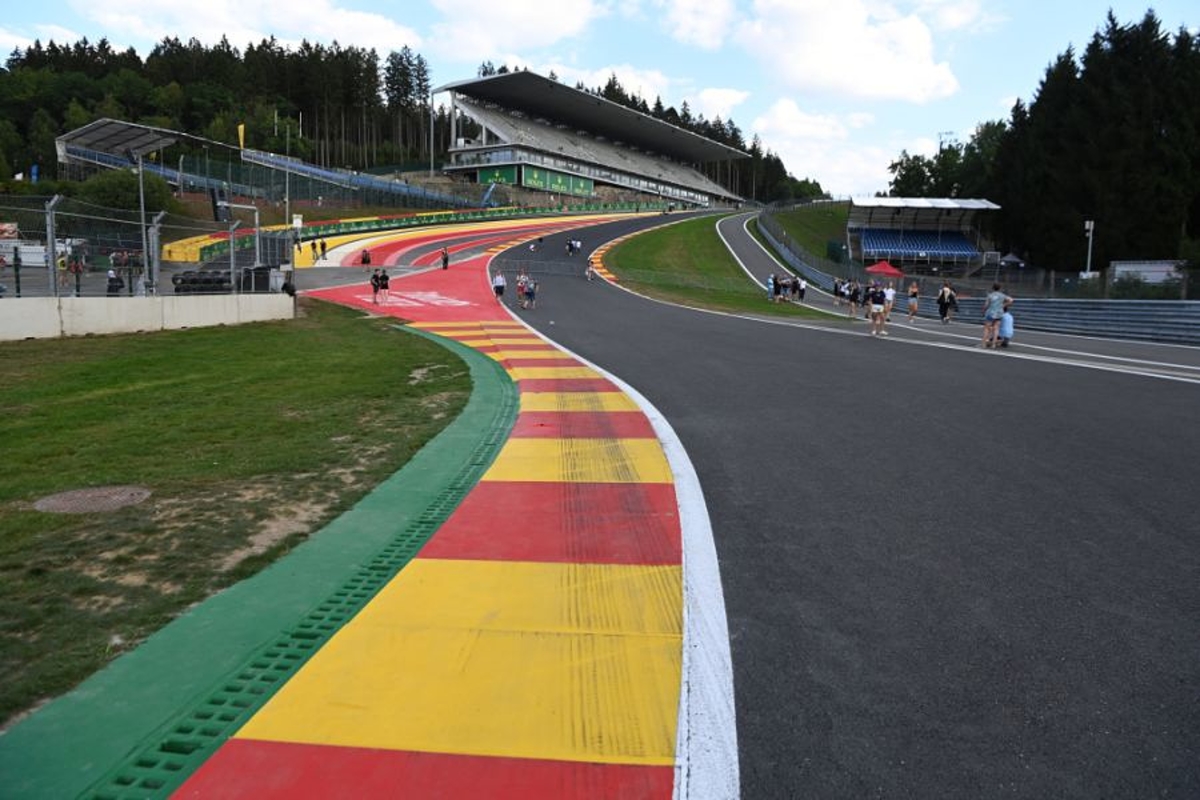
x=784, y=287
x=573, y=246
x=527, y=288
x=854, y=295
x=997, y=319
x=877, y=302
x=380, y=285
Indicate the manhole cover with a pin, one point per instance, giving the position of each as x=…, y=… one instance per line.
x=97, y=498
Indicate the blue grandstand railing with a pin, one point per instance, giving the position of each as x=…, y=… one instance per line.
x=193, y=182
x=354, y=180
x=1171, y=321
x=342, y=179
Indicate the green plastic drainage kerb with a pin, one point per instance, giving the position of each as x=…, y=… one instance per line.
x=141, y=726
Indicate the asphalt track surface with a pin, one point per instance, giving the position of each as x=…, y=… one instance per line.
x=949, y=572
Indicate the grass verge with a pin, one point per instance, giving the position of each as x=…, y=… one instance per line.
x=249, y=438
x=814, y=226
x=687, y=263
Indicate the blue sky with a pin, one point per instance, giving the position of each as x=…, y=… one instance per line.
x=837, y=88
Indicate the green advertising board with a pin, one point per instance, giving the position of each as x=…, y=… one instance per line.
x=534, y=178
x=550, y=181
x=583, y=186
x=560, y=183
x=505, y=175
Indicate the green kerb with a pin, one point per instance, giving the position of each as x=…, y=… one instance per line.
x=140, y=727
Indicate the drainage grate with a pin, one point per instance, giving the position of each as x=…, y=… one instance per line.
x=166, y=761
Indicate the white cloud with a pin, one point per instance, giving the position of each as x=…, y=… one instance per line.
x=785, y=119
x=848, y=47
x=822, y=147
x=703, y=23
x=713, y=103
x=484, y=28
x=648, y=83
x=289, y=21
x=955, y=15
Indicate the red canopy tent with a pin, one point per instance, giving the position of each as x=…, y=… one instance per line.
x=884, y=268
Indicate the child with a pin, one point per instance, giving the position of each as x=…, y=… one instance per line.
x=1006, y=328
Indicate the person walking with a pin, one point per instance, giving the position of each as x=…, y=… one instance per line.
x=945, y=301
x=877, y=305
x=384, y=285
x=994, y=306
x=914, y=301
x=375, y=287
x=323, y=249
x=801, y=288
x=498, y=284
x=445, y=258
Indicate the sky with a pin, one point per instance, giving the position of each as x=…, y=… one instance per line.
x=836, y=88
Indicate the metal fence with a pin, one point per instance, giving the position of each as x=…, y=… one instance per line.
x=1174, y=321
x=66, y=247
x=1018, y=277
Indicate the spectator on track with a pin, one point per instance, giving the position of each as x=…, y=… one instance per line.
x=914, y=301
x=946, y=302
x=853, y=298
x=877, y=306
x=375, y=287
x=498, y=284
x=994, y=306
x=384, y=285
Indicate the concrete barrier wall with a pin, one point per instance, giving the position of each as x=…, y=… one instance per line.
x=50, y=317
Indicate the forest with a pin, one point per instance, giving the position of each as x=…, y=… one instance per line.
x=332, y=105
x=1111, y=136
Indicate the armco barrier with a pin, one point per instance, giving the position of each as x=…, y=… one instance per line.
x=212, y=248
x=1172, y=321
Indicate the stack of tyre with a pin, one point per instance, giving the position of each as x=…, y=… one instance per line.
x=202, y=281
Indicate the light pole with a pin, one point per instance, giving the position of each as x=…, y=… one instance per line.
x=1089, y=227
x=147, y=279
x=287, y=173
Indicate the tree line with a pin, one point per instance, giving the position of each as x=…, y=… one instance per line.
x=333, y=105
x=1111, y=136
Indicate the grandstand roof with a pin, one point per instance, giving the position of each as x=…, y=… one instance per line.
x=914, y=212
x=541, y=97
x=120, y=138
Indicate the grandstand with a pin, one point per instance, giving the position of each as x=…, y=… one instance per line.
x=542, y=135
x=918, y=234
x=250, y=175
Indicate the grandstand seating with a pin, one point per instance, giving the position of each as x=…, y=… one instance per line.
x=910, y=244
x=588, y=156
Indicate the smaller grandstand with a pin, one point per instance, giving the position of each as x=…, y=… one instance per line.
x=537, y=133
x=919, y=235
